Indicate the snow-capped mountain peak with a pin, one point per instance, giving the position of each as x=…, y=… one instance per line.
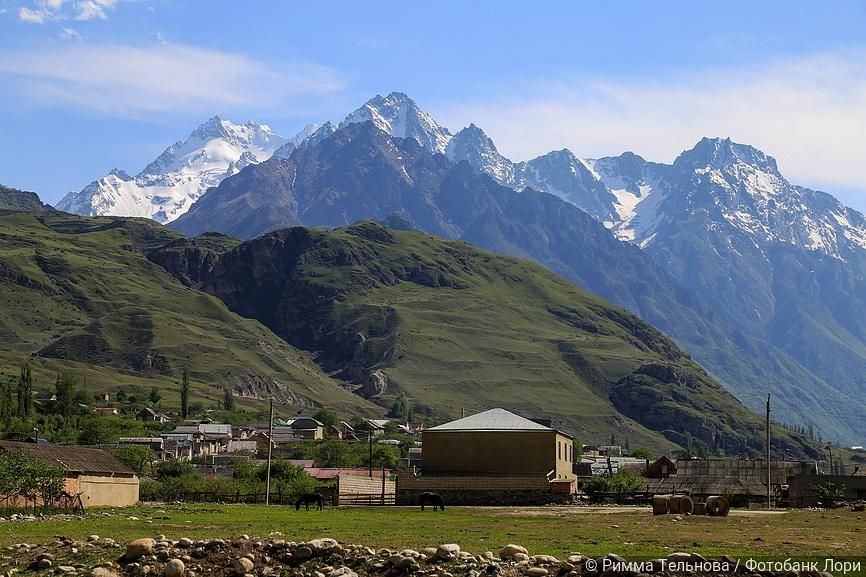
x=399, y=116
x=168, y=186
x=475, y=147
x=721, y=153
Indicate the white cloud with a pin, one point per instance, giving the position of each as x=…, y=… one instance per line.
x=44, y=10
x=93, y=9
x=809, y=113
x=33, y=15
x=127, y=80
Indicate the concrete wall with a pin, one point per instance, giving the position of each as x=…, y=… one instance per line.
x=517, y=452
x=801, y=491
x=108, y=491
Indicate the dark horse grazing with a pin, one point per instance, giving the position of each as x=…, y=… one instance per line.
x=434, y=499
x=308, y=498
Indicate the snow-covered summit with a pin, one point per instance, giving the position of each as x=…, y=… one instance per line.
x=168, y=186
x=475, y=147
x=399, y=116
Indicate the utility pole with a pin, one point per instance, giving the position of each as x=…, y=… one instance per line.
x=769, y=488
x=370, y=441
x=270, y=450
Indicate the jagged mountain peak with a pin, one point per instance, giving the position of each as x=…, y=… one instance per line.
x=400, y=116
x=721, y=153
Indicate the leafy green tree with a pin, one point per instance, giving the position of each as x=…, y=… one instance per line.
x=120, y=397
x=334, y=453
x=641, y=453
x=6, y=403
x=184, y=394
x=400, y=408
x=25, y=392
x=175, y=469
x=154, y=396
x=327, y=417
x=137, y=457
x=66, y=392
x=228, y=399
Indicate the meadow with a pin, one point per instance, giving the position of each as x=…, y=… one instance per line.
x=559, y=531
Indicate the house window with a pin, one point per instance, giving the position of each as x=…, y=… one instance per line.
x=558, y=450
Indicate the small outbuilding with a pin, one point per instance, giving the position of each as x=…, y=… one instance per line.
x=100, y=479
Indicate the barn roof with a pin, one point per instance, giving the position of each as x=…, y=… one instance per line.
x=72, y=458
x=492, y=420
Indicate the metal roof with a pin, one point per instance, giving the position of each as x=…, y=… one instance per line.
x=492, y=420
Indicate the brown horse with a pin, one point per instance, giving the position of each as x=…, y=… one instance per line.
x=434, y=499
x=308, y=498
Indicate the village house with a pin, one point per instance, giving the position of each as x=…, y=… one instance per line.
x=307, y=428
x=745, y=479
x=148, y=415
x=376, y=427
x=493, y=457
x=94, y=474
x=106, y=410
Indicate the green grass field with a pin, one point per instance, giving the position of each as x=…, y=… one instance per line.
x=559, y=531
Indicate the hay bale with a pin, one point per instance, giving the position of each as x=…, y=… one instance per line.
x=661, y=504
x=718, y=506
x=687, y=505
x=700, y=509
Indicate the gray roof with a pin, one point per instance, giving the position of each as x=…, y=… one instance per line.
x=492, y=420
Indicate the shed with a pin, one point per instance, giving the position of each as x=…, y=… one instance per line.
x=102, y=480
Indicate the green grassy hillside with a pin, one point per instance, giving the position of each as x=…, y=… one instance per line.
x=454, y=327
x=80, y=293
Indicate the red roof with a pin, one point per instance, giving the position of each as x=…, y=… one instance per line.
x=324, y=474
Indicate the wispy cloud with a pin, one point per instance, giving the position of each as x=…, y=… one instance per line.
x=93, y=9
x=809, y=113
x=42, y=11
x=68, y=33
x=127, y=80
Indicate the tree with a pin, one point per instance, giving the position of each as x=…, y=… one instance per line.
x=66, y=393
x=137, y=457
x=641, y=453
x=184, y=394
x=120, y=396
x=327, y=417
x=25, y=392
x=228, y=399
x=400, y=407
x=6, y=412
x=154, y=396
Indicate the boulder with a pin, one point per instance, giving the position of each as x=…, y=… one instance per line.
x=510, y=550
x=428, y=552
x=102, y=572
x=243, y=566
x=448, y=551
x=139, y=548
x=43, y=564
x=175, y=568
x=303, y=553
x=321, y=545
x=184, y=543
x=544, y=559
x=342, y=572
x=520, y=557
x=536, y=572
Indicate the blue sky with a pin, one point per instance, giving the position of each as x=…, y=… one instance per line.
x=89, y=85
